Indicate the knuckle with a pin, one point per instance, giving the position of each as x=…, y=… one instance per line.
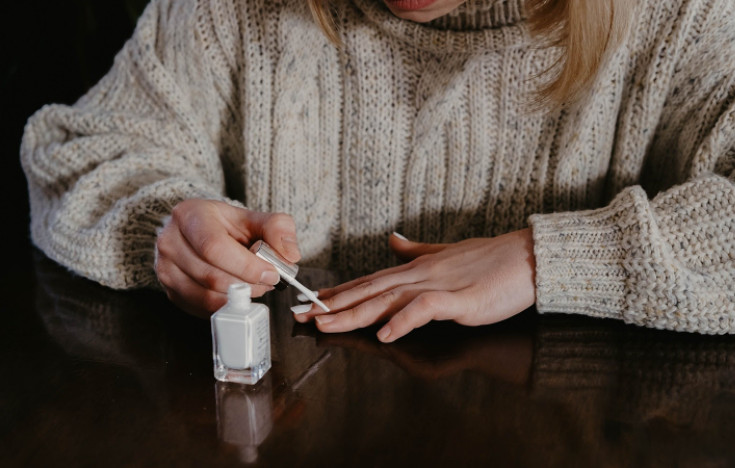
x=162, y=239
x=417, y=262
x=360, y=316
x=164, y=277
x=428, y=263
x=180, y=212
x=388, y=298
x=212, y=301
x=329, y=302
x=366, y=287
x=212, y=279
x=430, y=301
x=282, y=219
x=209, y=247
x=433, y=265
x=187, y=212
x=164, y=242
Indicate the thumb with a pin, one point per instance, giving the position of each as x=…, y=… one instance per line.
x=278, y=230
x=407, y=250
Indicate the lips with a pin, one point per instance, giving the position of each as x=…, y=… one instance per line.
x=408, y=5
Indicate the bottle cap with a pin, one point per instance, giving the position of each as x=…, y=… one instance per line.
x=283, y=266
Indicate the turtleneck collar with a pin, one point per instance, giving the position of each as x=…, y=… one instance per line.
x=474, y=15
x=474, y=26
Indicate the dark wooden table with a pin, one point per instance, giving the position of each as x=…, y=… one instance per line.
x=94, y=377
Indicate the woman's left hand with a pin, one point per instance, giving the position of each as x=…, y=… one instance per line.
x=473, y=282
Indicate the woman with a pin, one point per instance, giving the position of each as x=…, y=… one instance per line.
x=588, y=167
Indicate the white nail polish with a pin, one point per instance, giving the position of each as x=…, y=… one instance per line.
x=301, y=309
x=302, y=297
x=241, y=338
x=400, y=236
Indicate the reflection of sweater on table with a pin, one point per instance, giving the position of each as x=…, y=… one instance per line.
x=658, y=398
x=599, y=394
x=416, y=128
x=595, y=388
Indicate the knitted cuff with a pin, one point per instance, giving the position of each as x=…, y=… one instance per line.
x=580, y=258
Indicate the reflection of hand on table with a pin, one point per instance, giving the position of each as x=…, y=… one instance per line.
x=504, y=356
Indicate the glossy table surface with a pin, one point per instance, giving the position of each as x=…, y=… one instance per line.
x=95, y=377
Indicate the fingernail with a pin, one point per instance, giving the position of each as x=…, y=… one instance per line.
x=270, y=278
x=384, y=333
x=301, y=309
x=302, y=297
x=324, y=319
x=400, y=236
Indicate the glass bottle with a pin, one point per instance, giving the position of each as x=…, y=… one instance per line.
x=241, y=344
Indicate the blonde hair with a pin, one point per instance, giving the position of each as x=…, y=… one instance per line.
x=586, y=32
x=324, y=18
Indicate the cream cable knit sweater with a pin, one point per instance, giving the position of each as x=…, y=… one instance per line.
x=415, y=128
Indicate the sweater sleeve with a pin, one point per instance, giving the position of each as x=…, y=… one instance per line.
x=103, y=173
x=666, y=262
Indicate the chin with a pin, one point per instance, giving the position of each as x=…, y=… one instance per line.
x=416, y=16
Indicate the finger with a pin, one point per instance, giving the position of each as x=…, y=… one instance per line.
x=174, y=248
x=301, y=297
x=368, y=290
x=302, y=317
x=367, y=313
x=213, y=244
x=331, y=292
x=416, y=247
x=279, y=231
x=302, y=311
x=408, y=250
x=189, y=295
x=428, y=306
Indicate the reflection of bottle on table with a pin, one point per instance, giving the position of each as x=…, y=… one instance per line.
x=246, y=414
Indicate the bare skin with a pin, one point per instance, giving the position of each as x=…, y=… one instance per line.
x=474, y=282
x=402, y=9
x=203, y=249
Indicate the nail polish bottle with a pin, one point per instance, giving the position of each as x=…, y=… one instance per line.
x=241, y=344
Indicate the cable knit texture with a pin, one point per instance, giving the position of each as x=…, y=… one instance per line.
x=421, y=129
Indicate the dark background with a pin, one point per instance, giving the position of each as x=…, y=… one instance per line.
x=52, y=52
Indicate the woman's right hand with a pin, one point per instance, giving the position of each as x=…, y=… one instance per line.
x=203, y=248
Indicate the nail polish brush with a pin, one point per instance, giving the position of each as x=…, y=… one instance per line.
x=286, y=270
